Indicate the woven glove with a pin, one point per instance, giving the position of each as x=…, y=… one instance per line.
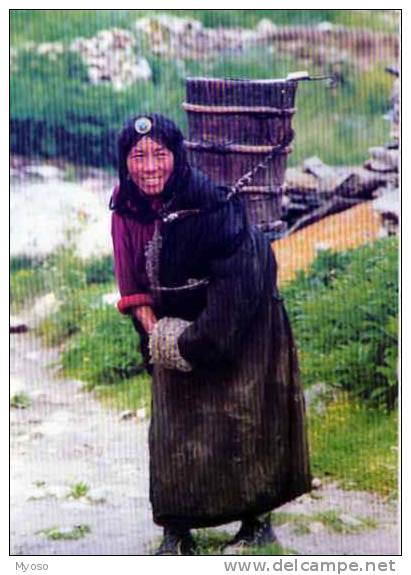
x=163, y=344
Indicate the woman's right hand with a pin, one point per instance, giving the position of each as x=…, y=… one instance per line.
x=145, y=315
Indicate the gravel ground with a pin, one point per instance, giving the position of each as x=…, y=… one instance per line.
x=66, y=437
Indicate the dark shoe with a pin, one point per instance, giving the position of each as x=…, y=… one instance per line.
x=251, y=534
x=176, y=544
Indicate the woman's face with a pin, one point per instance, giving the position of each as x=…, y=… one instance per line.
x=150, y=165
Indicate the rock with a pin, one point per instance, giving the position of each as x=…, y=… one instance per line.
x=17, y=386
x=325, y=26
x=76, y=504
x=50, y=49
x=65, y=530
x=44, y=172
x=111, y=57
x=317, y=527
x=110, y=298
x=35, y=435
x=36, y=493
x=321, y=247
x=266, y=27
x=127, y=414
x=317, y=395
x=45, y=306
x=17, y=325
x=233, y=550
x=350, y=521
x=58, y=491
x=316, y=483
x=98, y=495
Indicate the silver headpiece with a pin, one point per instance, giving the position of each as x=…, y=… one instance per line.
x=143, y=125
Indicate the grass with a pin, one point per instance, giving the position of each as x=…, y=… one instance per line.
x=212, y=542
x=58, y=534
x=64, y=25
x=356, y=446
x=56, y=113
x=331, y=519
x=350, y=442
x=133, y=394
x=79, y=490
x=20, y=401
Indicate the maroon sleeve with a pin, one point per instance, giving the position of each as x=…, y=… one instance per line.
x=133, y=290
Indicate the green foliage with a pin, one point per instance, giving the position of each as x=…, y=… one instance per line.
x=344, y=313
x=57, y=25
x=133, y=393
x=56, y=113
x=25, y=285
x=23, y=262
x=104, y=349
x=57, y=533
x=20, y=401
x=101, y=346
x=99, y=270
x=79, y=490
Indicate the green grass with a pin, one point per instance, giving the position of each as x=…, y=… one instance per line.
x=212, y=542
x=133, y=394
x=79, y=490
x=64, y=25
x=344, y=313
x=355, y=446
x=55, y=113
x=20, y=401
x=342, y=298
x=330, y=519
x=58, y=534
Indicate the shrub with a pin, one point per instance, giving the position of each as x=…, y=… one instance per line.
x=104, y=350
x=345, y=315
x=99, y=270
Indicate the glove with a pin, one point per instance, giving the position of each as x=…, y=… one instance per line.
x=163, y=344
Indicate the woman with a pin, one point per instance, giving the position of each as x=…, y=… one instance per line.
x=227, y=436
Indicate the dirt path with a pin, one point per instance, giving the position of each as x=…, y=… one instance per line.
x=66, y=437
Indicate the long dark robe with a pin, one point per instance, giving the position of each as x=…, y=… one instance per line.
x=229, y=438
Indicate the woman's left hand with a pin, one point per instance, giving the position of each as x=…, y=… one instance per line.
x=146, y=316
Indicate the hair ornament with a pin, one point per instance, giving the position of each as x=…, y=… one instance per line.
x=143, y=125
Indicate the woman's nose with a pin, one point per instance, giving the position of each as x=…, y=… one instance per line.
x=151, y=165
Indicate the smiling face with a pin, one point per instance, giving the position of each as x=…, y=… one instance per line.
x=150, y=164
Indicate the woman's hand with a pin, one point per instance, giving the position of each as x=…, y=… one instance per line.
x=145, y=315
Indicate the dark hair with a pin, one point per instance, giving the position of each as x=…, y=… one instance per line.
x=129, y=198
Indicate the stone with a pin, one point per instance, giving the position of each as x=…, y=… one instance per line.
x=97, y=495
x=127, y=414
x=350, y=521
x=317, y=527
x=316, y=483
x=58, y=491
x=18, y=325
x=45, y=306
x=44, y=172
x=266, y=27
x=17, y=386
x=36, y=493
x=110, y=298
